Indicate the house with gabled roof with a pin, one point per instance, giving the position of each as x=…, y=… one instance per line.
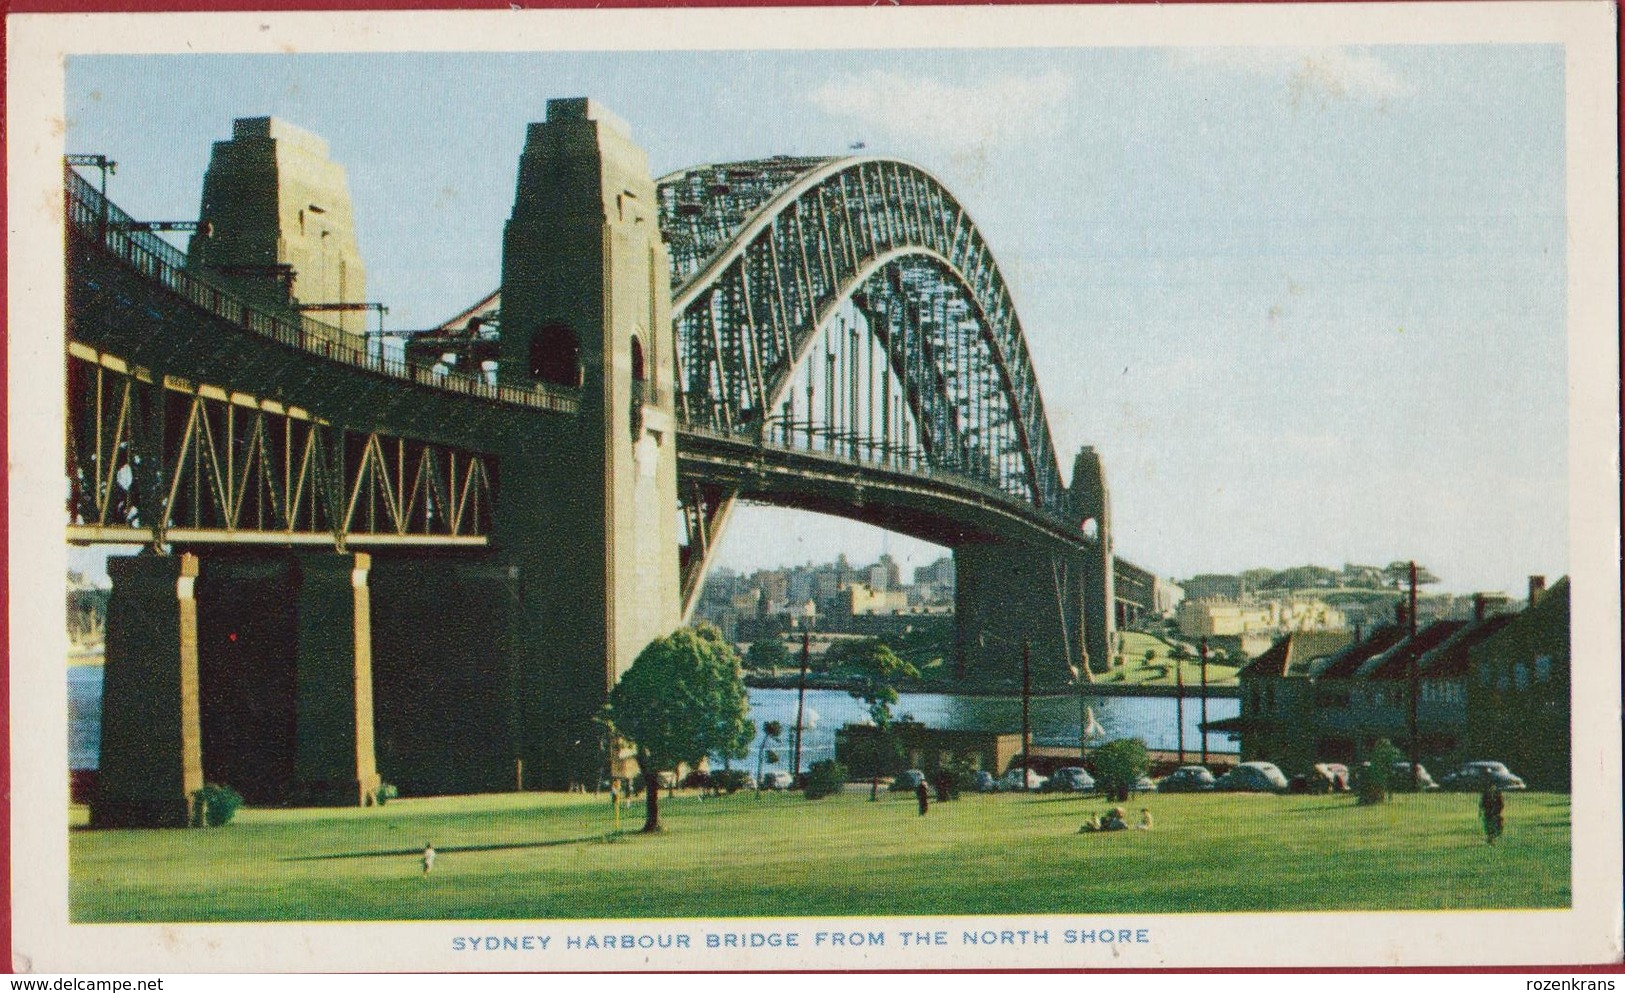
x=1305, y=701
x=1275, y=697
x=1517, y=691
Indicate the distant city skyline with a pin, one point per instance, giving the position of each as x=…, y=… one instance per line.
x=1309, y=304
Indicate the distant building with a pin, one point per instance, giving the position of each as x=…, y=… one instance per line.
x=1166, y=596
x=939, y=576
x=924, y=748
x=1212, y=618
x=861, y=598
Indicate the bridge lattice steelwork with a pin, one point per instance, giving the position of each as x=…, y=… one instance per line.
x=850, y=305
x=849, y=308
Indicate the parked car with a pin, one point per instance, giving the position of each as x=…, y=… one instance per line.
x=775, y=781
x=1256, y=777
x=1475, y=776
x=1186, y=779
x=1072, y=779
x=984, y=782
x=907, y=781
x=1322, y=777
x=1399, y=778
x=1010, y=782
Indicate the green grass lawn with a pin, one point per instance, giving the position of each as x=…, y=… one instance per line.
x=1160, y=670
x=539, y=856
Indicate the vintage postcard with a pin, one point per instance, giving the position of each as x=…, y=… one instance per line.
x=892, y=488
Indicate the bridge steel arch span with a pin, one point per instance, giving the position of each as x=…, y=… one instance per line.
x=764, y=254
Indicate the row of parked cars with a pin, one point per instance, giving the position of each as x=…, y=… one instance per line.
x=1327, y=777
x=1248, y=777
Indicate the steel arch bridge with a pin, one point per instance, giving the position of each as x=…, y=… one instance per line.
x=848, y=307
x=764, y=255
x=846, y=310
x=835, y=319
x=831, y=334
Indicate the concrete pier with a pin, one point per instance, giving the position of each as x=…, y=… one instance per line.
x=151, y=745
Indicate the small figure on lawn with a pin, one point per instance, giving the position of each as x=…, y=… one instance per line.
x=1491, y=807
x=428, y=857
x=1091, y=824
x=1114, y=821
x=923, y=795
x=1145, y=819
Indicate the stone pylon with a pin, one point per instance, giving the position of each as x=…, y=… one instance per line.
x=589, y=512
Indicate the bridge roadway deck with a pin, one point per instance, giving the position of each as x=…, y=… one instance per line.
x=128, y=301
x=155, y=317
x=942, y=508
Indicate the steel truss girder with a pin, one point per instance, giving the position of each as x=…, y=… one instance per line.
x=155, y=459
x=704, y=510
x=764, y=253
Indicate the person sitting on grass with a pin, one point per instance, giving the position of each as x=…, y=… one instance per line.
x=1114, y=821
x=1145, y=819
x=1091, y=824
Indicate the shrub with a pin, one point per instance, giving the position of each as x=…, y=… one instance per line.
x=1119, y=765
x=1372, y=784
x=729, y=780
x=962, y=776
x=385, y=793
x=215, y=805
x=825, y=778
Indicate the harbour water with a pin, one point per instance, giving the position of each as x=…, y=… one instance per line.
x=1055, y=720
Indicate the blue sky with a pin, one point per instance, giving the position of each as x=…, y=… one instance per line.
x=1309, y=303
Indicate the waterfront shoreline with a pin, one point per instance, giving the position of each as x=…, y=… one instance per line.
x=791, y=682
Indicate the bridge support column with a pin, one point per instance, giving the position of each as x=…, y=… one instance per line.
x=151, y=748
x=1010, y=593
x=589, y=511
x=1092, y=503
x=445, y=638
x=334, y=762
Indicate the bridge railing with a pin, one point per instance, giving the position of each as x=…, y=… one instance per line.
x=155, y=259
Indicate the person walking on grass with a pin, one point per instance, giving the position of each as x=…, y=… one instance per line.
x=428, y=857
x=1491, y=807
x=923, y=795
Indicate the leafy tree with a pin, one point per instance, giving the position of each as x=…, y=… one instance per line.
x=682, y=699
x=771, y=730
x=766, y=655
x=876, y=670
x=1119, y=765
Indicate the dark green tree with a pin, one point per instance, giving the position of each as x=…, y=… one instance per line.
x=1119, y=765
x=1374, y=783
x=825, y=778
x=876, y=671
x=682, y=700
x=766, y=655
